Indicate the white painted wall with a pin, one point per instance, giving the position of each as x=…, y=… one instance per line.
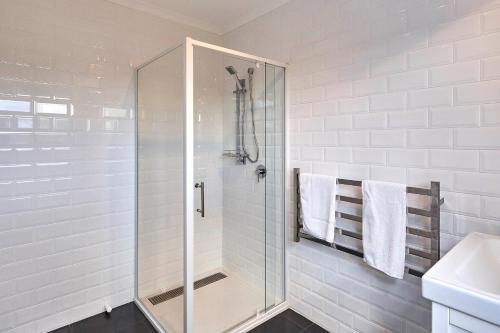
x=66, y=181
x=405, y=91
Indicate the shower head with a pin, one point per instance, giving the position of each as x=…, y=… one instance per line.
x=232, y=71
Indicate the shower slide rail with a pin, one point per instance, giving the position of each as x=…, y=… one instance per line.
x=432, y=233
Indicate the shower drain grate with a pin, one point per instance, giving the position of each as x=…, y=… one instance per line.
x=172, y=293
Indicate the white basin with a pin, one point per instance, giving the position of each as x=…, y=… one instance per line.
x=467, y=278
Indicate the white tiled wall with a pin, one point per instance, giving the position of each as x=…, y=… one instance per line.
x=244, y=197
x=396, y=90
x=66, y=180
x=253, y=218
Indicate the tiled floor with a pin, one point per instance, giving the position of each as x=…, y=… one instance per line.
x=124, y=319
x=129, y=319
x=288, y=321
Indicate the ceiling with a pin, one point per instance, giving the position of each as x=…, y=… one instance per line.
x=217, y=16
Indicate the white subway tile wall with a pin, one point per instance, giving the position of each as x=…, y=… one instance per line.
x=404, y=91
x=67, y=155
x=243, y=209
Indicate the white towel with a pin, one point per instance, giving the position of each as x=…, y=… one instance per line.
x=317, y=198
x=384, y=226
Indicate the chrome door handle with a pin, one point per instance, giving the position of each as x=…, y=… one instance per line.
x=201, y=186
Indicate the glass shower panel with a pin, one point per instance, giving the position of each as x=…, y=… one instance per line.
x=229, y=241
x=244, y=191
x=160, y=109
x=275, y=166
x=238, y=194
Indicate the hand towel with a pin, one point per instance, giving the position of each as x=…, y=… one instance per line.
x=384, y=226
x=317, y=198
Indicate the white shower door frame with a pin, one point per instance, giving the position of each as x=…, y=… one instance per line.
x=188, y=183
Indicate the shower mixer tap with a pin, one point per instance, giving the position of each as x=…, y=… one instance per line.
x=261, y=172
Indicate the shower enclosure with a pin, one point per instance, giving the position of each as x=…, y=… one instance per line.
x=210, y=189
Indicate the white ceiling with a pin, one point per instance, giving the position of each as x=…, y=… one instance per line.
x=217, y=16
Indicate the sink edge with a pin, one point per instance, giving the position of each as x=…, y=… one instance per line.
x=459, y=298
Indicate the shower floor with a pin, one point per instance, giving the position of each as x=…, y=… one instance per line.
x=218, y=306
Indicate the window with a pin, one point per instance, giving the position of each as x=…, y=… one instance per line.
x=14, y=106
x=51, y=108
x=114, y=113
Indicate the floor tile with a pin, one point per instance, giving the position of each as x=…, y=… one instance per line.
x=278, y=324
x=129, y=319
x=288, y=321
x=123, y=319
x=313, y=328
x=136, y=328
x=296, y=318
x=100, y=323
x=65, y=329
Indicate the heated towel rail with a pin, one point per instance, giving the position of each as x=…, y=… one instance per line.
x=432, y=233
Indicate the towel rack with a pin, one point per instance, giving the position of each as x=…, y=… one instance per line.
x=433, y=234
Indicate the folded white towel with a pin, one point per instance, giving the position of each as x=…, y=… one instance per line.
x=317, y=198
x=384, y=226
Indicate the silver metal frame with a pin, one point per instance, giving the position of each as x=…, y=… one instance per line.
x=188, y=181
x=434, y=214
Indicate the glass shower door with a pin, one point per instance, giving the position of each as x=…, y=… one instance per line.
x=210, y=189
x=229, y=198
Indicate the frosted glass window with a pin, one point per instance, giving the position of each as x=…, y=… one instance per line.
x=51, y=108
x=14, y=106
x=114, y=113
